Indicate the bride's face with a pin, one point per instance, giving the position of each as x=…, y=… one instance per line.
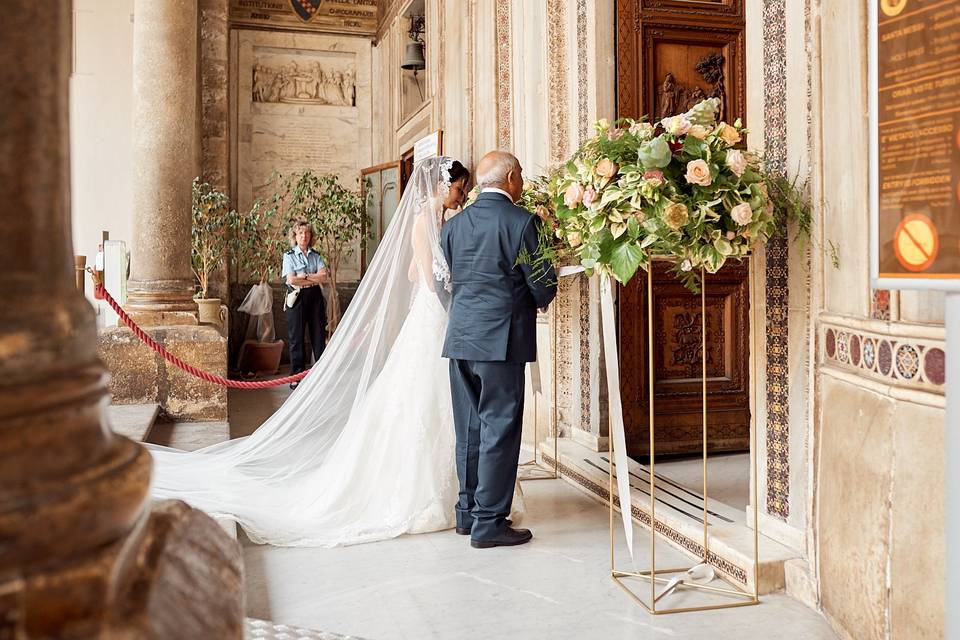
x=457, y=195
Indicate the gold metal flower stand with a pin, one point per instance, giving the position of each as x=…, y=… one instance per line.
x=535, y=469
x=666, y=583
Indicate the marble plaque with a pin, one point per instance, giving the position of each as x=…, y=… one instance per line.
x=303, y=102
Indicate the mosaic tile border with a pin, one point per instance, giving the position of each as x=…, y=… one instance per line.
x=736, y=572
x=504, y=79
x=777, y=255
x=586, y=355
x=557, y=63
x=905, y=362
x=583, y=107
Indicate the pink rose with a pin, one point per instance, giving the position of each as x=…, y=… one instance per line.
x=607, y=168
x=742, y=213
x=573, y=195
x=654, y=178
x=731, y=235
x=698, y=172
x=615, y=134
x=676, y=125
x=736, y=162
x=589, y=196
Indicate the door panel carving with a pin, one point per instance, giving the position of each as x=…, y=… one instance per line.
x=677, y=362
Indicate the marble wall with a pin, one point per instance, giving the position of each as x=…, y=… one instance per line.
x=880, y=418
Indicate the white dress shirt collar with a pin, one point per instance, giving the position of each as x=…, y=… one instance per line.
x=495, y=190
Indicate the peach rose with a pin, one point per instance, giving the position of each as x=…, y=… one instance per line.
x=729, y=134
x=573, y=239
x=573, y=195
x=639, y=215
x=543, y=212
x=607, y=168
x=742, y=213
x=615, y=134
x=676, y=215
x=698, y=131
x=698, y=172
x=736, y=162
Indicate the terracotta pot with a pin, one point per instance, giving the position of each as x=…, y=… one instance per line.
x=260, y=358
x=209, y=311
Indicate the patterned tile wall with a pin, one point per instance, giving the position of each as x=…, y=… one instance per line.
x=897, y=360
x=777, y=254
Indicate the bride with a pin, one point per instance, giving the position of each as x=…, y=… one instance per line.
x=364, y=449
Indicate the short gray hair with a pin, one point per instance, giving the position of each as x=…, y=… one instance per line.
x=502, y=164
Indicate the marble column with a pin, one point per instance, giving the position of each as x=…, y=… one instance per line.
x=83, y=554
x=166, y=159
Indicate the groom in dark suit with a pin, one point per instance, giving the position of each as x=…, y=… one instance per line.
x=491, y=336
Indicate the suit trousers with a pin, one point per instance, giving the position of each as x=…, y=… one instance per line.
x=488, y=418
x=309, y=312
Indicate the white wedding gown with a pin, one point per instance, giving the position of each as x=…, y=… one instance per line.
x=364, y=449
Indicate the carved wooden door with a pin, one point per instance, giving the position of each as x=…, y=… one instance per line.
x=670, y=55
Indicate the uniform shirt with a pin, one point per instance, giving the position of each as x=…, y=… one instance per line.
x=295, y=261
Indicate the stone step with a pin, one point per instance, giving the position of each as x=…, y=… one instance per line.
x=133, y=420
x=679, y=512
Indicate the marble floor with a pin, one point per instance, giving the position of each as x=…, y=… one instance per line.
x=436, y=586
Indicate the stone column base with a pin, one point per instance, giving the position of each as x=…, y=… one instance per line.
x=141, y=376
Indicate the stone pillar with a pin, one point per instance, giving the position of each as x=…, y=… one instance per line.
x=166, y=159
x=82, y=553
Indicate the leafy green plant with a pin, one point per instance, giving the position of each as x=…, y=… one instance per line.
x=260, y=236
x=213, y=222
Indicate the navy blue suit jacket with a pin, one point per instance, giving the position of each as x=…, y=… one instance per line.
x=493, y=310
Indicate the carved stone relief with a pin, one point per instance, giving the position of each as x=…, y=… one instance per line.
x=304, y=82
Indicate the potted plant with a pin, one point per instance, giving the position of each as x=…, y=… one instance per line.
x=259, y=242
x=340, y=219
x=213, y=221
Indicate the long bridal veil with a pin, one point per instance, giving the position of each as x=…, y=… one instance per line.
x=255, y=480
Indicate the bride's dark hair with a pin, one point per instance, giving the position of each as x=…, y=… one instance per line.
x=458, y=172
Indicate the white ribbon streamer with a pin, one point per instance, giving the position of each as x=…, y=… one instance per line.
x=620, y=461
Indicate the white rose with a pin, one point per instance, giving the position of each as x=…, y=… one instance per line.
x=742, y=213
x=736, y=162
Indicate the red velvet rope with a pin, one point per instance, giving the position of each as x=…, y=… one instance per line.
x=169, y=357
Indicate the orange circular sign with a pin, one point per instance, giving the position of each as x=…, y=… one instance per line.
x=892, y=7
x=916, y=242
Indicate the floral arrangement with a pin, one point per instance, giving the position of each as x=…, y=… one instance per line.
x=679, y=189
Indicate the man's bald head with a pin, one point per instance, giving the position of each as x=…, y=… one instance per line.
x=501, y=170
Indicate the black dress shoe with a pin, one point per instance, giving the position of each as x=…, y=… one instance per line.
x=509, y=538
x=465, y=531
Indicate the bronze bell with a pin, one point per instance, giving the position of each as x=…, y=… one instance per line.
x=414, y=60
